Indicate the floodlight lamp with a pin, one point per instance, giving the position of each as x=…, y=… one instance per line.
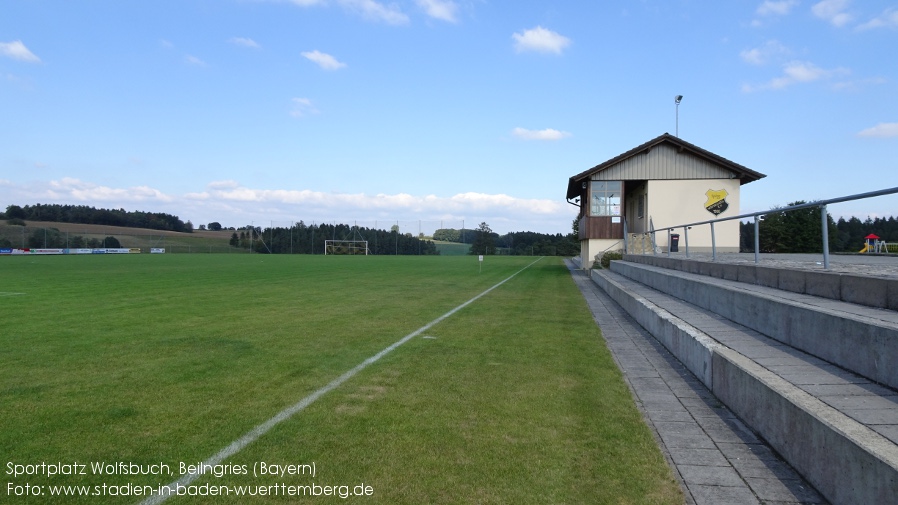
x=678, y=98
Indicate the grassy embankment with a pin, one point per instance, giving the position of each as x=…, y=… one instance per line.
x=200, y=241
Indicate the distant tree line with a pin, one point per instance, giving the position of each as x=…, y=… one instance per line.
x=524, y=243
x=298, y=239
x=800, y=231
x=82, y=214
x=309, y=239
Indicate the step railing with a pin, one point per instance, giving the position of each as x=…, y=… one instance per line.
x=822, y=204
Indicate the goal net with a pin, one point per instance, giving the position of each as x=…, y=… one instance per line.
x=346, y=247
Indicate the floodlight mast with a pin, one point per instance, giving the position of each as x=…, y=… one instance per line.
x=677, y=100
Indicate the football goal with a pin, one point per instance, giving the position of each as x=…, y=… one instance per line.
x=345, y=247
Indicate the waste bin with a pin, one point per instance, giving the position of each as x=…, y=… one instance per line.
x=674, y=242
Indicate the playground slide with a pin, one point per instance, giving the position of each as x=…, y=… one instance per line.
x=865, y=249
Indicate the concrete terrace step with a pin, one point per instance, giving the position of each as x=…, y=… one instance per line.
x=847, y=280
x=859, y=338
x=837, y=428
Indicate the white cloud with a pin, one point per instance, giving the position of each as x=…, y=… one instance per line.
x=888, y=19
x=17, y=51
x=193, y=60
x=245, y=42
x=233, y=204
x=376, y=11
x=369, y=9
x=753, y=56
x=540, y=40
x=882, y=130
x=400, y=203
x=547, y=134
x=323, y=60
x=763, y=54
x=776, y=8
x=440, y=9
x=70, y=188
x=799, y=71
x=796, y=72
x=833, y=11
x=859, y=84
x=302, y=107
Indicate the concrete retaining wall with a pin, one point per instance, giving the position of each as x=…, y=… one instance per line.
x=692, y=347
x=843, y=459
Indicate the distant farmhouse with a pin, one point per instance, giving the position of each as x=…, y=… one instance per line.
x=663, y=182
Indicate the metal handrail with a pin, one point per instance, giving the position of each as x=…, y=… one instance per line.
x=823, y=215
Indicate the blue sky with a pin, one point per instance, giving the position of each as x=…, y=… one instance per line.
x=255, y=111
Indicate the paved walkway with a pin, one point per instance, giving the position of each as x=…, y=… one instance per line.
x=857, y=264
x=718, y=460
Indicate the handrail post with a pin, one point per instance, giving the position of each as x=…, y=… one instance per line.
x=825, y=237
x=668, y=242
x=686, y=239
x=713, y=244
x=757, y=241
x=626, y=237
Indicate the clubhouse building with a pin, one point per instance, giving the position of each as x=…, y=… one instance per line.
x=661, y=183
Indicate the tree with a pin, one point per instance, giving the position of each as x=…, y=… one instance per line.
x=15, y=212
x=484, y=241
x=447, y=235
x=235, y=240
x=46, y=238
x=111, y=243
x=214, y=226
x=794, y=231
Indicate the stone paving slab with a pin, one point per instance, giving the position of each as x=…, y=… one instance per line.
x=718, y=460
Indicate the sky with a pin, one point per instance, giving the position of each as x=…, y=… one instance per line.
x=447, y=113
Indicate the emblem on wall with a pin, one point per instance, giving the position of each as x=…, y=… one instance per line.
x=716, y=203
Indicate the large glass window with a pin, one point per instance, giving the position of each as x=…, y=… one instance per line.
x=605, y=198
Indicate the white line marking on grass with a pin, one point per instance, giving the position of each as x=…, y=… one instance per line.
x=6, y=293
x=253, y=434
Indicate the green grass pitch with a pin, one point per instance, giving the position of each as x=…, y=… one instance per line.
x=167, y=359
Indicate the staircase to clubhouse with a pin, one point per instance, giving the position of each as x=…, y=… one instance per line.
x=640, y=243
x=807, y=359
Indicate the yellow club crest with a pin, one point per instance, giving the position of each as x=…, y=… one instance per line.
x=716, y=203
